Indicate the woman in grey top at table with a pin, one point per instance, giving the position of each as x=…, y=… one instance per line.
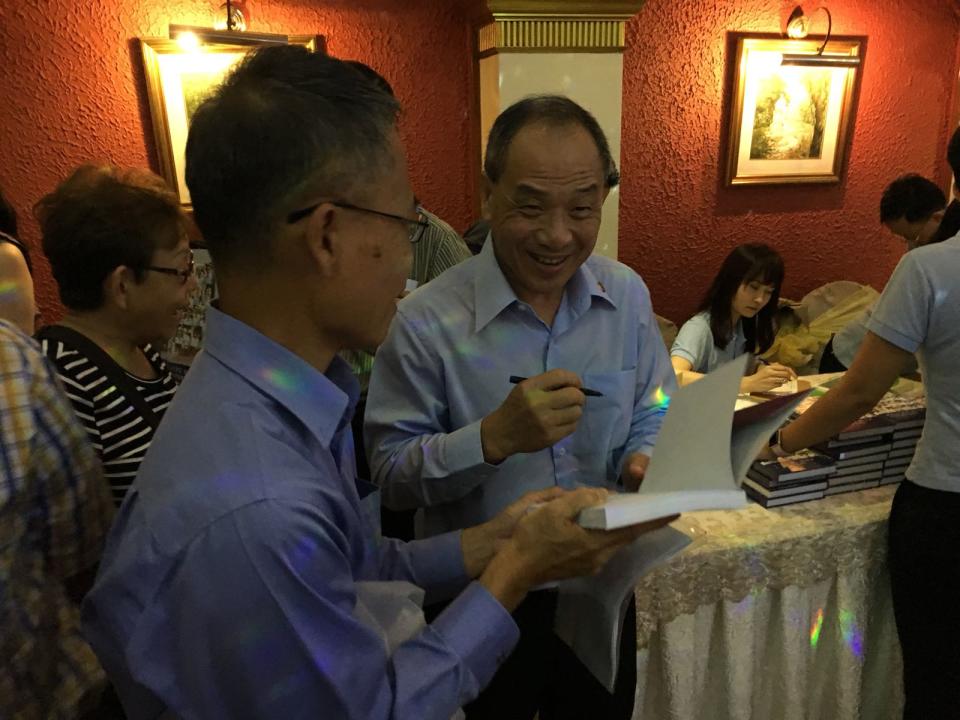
x=918, y=312
x=736, y=316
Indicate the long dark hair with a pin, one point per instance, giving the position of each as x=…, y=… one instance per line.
x=745, y=263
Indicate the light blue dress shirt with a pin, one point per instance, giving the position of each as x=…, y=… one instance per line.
x=229, y=584
x=446, y=364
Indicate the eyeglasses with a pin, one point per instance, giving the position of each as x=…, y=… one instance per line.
x=184, y=275
x=415, y=228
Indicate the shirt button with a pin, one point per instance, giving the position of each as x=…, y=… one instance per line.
x=561, y=452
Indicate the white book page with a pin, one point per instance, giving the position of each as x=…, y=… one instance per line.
x=746, y=442
x=692, y=451
x=699, y=458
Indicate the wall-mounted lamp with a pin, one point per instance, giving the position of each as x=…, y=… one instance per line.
x=798, y=26
x=190, y=37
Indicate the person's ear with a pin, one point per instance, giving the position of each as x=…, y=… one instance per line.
x=117, y=286
x=486, y=193
x=326, y=239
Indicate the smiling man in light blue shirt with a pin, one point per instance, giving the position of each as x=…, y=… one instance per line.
x=446, y=429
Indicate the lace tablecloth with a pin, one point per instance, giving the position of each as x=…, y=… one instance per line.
x=773, y=614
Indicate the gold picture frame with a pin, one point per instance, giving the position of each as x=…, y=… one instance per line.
x=790, y=124
x=177, y=82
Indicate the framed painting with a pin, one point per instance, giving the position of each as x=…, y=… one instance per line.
x=178, y=81
x=789, y=124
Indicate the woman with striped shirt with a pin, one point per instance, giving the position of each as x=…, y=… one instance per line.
x=118, y=247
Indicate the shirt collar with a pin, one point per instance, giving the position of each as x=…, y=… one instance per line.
x=493, y=294
x=323, y=402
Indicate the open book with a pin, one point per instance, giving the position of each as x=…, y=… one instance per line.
x=702, y=453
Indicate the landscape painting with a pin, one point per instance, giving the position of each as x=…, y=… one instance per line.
x=788, y=123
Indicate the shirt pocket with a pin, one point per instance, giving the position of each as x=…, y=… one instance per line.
x=605, y=424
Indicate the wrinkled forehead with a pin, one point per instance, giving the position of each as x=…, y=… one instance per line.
x=566, y=153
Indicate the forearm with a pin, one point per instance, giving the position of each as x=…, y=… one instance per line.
x=829, y=415
x=875, y=368
x=424, y=470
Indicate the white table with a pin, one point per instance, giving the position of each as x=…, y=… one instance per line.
x=773, y=614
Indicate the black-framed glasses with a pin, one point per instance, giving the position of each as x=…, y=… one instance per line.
x=415, y=227
x=184, y=275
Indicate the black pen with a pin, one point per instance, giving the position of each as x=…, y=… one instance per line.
x=586, y=391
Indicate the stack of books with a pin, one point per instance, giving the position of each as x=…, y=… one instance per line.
x=907, y=416
x=860, y=451
x=874, y=450
x=792, y=479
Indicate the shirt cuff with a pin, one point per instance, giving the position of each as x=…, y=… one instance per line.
x=681, y=353
x=480, y=630
x=464, y=451
x=891, y=335
x=438, y=561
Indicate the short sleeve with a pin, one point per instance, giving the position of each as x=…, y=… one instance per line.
x=902, y=313
x=693, y=343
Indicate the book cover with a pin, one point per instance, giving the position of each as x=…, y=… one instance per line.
x=860, y=464
x=906, y=452
x=903, y=412
x=854, y=451
x=904, y=443
x=866, y=427
x=779, y=485
x=798, y=489
x=796, y=466
x=780, y=501
x=851, y=487
x=910, y=434
x=835, y=480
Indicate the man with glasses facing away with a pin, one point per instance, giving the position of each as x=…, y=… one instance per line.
x=244, y=576
x=438, y=249
x=450, y=432
x=117, y=243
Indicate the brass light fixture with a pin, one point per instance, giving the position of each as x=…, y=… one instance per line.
x=797, y=28
x=233, y=33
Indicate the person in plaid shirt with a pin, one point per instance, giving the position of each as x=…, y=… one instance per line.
x=55, y=510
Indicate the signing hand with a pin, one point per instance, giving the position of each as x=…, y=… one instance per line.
x=537, y=413
x=767, y=377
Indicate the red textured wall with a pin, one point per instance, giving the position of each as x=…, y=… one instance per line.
x=677, y=220
x=72, y=88
x=73, y=91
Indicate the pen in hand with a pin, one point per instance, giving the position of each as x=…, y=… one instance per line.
x=586, y=391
